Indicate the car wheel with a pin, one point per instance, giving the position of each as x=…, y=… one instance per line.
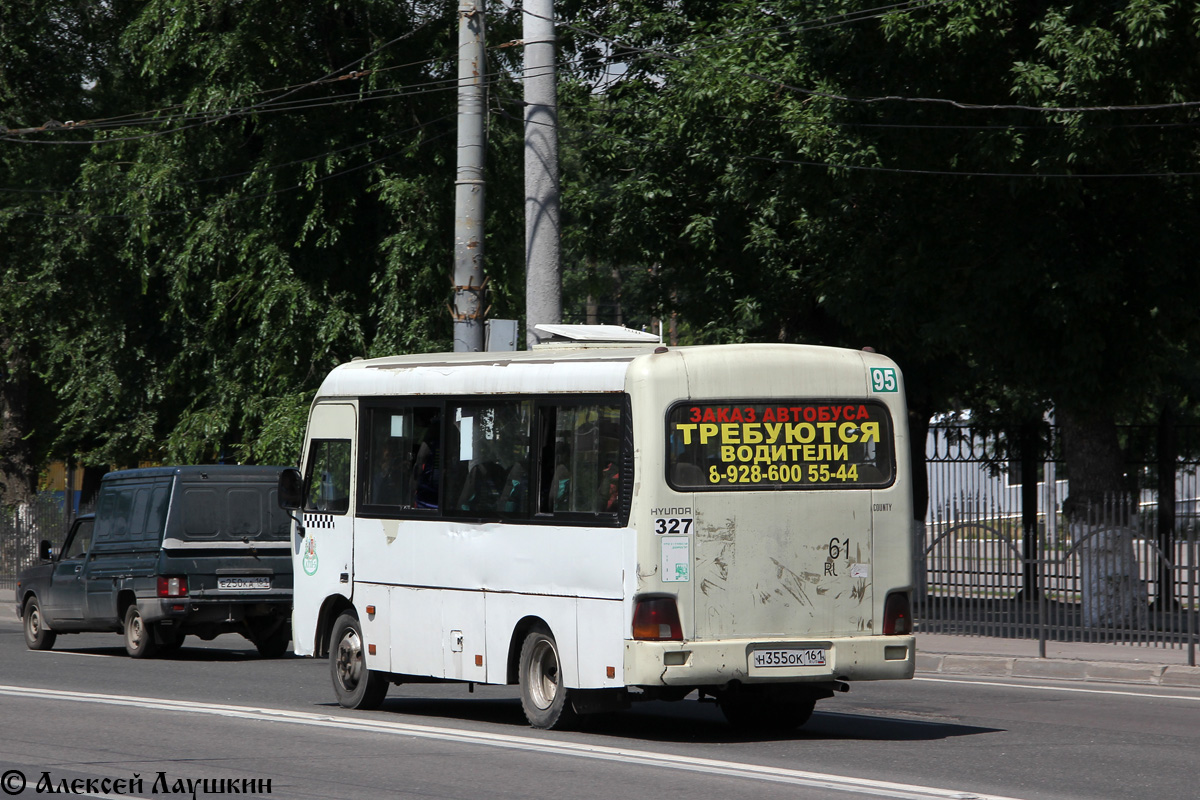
x=139, y=638
x=354, y=684
x=544, y=698
x=37, y=635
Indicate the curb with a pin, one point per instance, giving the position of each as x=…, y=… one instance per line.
x=1058, y=669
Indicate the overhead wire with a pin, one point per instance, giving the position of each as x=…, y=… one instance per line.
x=269, y=168
x=782, y=86
x=490, y=79
x=451, y=82
x=157, y=115
x=208, y=117
x=410, y=90
x=204, y=117
x=275, y=104
x=875, y=13
x=232, y=200
x=743, y=36
x=177, y=111
x=594, y=132
x=833, y=123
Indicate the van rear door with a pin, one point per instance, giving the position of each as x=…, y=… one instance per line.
x=227, y=534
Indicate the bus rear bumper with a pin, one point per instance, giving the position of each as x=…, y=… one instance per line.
x=850, y=658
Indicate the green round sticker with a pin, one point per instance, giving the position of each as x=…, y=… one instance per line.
x=309, y=562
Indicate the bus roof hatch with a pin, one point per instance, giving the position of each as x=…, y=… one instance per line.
x=593, y=336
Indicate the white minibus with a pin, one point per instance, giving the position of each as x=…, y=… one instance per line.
x=603, y=519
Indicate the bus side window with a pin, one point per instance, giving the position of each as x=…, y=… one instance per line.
x=426, y=458
x=327, y=480
x=580, y=459
x=387, y=474
x=487, y=458
x=401, y=465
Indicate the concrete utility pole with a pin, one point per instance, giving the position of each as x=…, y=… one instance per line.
x=543, y=273
x=468, y=184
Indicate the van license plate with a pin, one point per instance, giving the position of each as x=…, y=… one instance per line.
x=242, y=584
x=807, y=657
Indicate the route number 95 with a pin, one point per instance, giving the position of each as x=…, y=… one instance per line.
x=883, y=379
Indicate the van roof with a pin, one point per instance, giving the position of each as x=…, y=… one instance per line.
x=198, y=472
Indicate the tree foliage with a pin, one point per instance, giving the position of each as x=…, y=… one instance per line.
x=246, y=195
x=997, y=194
x=208, y=204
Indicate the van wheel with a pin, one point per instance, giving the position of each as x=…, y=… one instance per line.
x=139, y=639
x=170, y=643
x=355, y=685
x=544, y=698
x=276, y=644
x=766, y=711
x=37, y=635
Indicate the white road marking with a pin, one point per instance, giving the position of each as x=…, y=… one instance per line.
x=527, y=743
x=1195, y=698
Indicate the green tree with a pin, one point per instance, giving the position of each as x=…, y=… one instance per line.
x=253, y=193
x=46, y=57
x=997, y=194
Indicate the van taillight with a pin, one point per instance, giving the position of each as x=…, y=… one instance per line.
x=172, y=587
x=897, y=615
x=656, y=619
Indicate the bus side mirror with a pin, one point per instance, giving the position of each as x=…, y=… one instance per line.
x=291, y=490
x=45, y=551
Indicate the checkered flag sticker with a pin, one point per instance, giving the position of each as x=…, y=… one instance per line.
x=318, y=520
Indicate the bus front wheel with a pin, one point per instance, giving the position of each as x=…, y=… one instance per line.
x=544, y=698
x=355, y=685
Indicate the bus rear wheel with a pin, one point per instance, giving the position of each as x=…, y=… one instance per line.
x=354, y=684
x=766, y=709
x=544, y=698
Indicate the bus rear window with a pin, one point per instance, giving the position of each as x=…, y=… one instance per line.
x=781, y=444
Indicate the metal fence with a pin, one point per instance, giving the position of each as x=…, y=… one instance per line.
x=22, y=528
x=997, y=566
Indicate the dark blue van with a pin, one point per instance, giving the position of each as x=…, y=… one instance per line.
x=170, y=552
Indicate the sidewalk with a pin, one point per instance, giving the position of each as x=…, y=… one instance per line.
x=979, y=656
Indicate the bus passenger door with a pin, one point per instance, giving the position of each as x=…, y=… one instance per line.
x=323, y=564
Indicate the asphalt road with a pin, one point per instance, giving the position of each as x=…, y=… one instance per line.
x=84, y=713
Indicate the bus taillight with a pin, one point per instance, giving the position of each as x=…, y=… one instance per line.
x=897, y=615
x=656, y=619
